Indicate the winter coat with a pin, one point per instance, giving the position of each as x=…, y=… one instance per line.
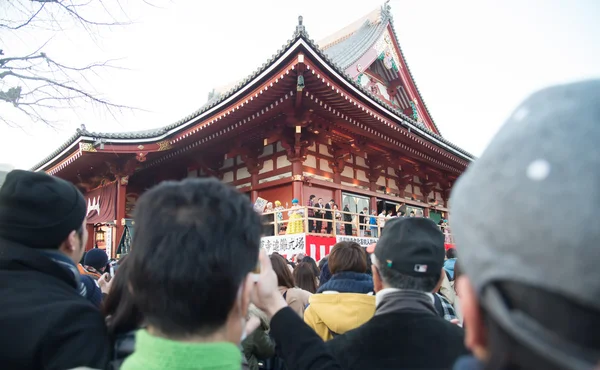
x=343, y=305
x=258, y=346
x=296, y=298
x=45, y=322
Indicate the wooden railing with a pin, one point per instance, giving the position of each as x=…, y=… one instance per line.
x=296, y=220
x=292, y=218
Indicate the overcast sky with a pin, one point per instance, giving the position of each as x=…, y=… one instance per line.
x=473, y=61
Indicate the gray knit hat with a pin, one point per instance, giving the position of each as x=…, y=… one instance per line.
x=526, y=211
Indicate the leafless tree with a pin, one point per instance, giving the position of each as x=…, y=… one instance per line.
x=36, y=83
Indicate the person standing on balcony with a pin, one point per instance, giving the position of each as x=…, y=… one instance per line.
x=311, y=213
x=338, y=217
x=347, y=218
x=319, y=213
x=269, y=220
x=373, y=223
x=279, y=216
x=329, y=216
x=361, y=221
x=295, y=218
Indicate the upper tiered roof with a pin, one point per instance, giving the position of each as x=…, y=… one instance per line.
x=341, y=51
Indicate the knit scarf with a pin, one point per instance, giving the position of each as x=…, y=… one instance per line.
x=348, y=282
x=405, y=300
x=153, y=352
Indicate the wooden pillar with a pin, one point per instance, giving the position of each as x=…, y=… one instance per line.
x=373, y=204
x=122, y=182
x=337, y=165
x=91, y=242
x=337, y=197
x=297, y=183
x=254, y=184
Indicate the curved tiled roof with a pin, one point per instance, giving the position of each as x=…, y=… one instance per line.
x=344, y=53
x=391, y=20
x=397, y=112
x=333, y=56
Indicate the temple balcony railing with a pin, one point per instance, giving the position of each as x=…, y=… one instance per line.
x=295, y=220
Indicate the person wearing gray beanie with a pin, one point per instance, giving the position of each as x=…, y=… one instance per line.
x=46, y=319
x=530, y=293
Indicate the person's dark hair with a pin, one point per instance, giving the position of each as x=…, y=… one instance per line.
x=196, y=241
x=398, y=280
x=312, y=197
x=313, y=265
x=451, y=253
x=284, y=275
x=322, y=262
x=325, y=274
x=551, y=312
x=347, y=257
x=369, y=264
x=118, y=306
x=305, y=278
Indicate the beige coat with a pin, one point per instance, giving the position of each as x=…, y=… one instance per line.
x=296, y=298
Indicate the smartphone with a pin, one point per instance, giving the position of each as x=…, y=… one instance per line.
x=112, y=271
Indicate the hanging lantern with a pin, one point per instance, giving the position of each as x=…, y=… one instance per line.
x=100, y=236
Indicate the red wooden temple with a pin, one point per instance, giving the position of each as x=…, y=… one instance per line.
x=342, y=119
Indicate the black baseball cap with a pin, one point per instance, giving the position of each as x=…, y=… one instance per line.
x=411, y=246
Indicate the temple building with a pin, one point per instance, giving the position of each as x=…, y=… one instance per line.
x=342, y=119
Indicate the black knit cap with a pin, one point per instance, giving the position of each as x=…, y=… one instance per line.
x=38, y=210
x=412, y=246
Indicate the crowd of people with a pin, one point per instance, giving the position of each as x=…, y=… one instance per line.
x=324, y=218
x=197, y=292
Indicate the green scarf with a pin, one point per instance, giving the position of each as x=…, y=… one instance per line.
x=159, y=353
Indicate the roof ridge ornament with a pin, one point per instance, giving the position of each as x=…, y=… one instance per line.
x=300, y=29
x=385, y=12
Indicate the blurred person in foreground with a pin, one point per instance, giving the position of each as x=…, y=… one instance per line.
x=123, y=318
x=191, y=276
x=343, y=303
x=406, y=331
x=45, y=319
x=526, y=303
x=258, y=345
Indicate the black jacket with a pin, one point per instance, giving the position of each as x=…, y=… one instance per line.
x=300, y=347
x=328, y=214
x=45, y=323
x=400, y=340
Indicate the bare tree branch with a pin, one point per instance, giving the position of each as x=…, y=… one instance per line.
x=36, y=84
x=26, y=22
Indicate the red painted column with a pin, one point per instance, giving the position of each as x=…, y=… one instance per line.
x=297, y=184
x=91, y=237
x=337, y=196
x=337, y=179
x=373, y=204
x=254, y=184
x=122, y=182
